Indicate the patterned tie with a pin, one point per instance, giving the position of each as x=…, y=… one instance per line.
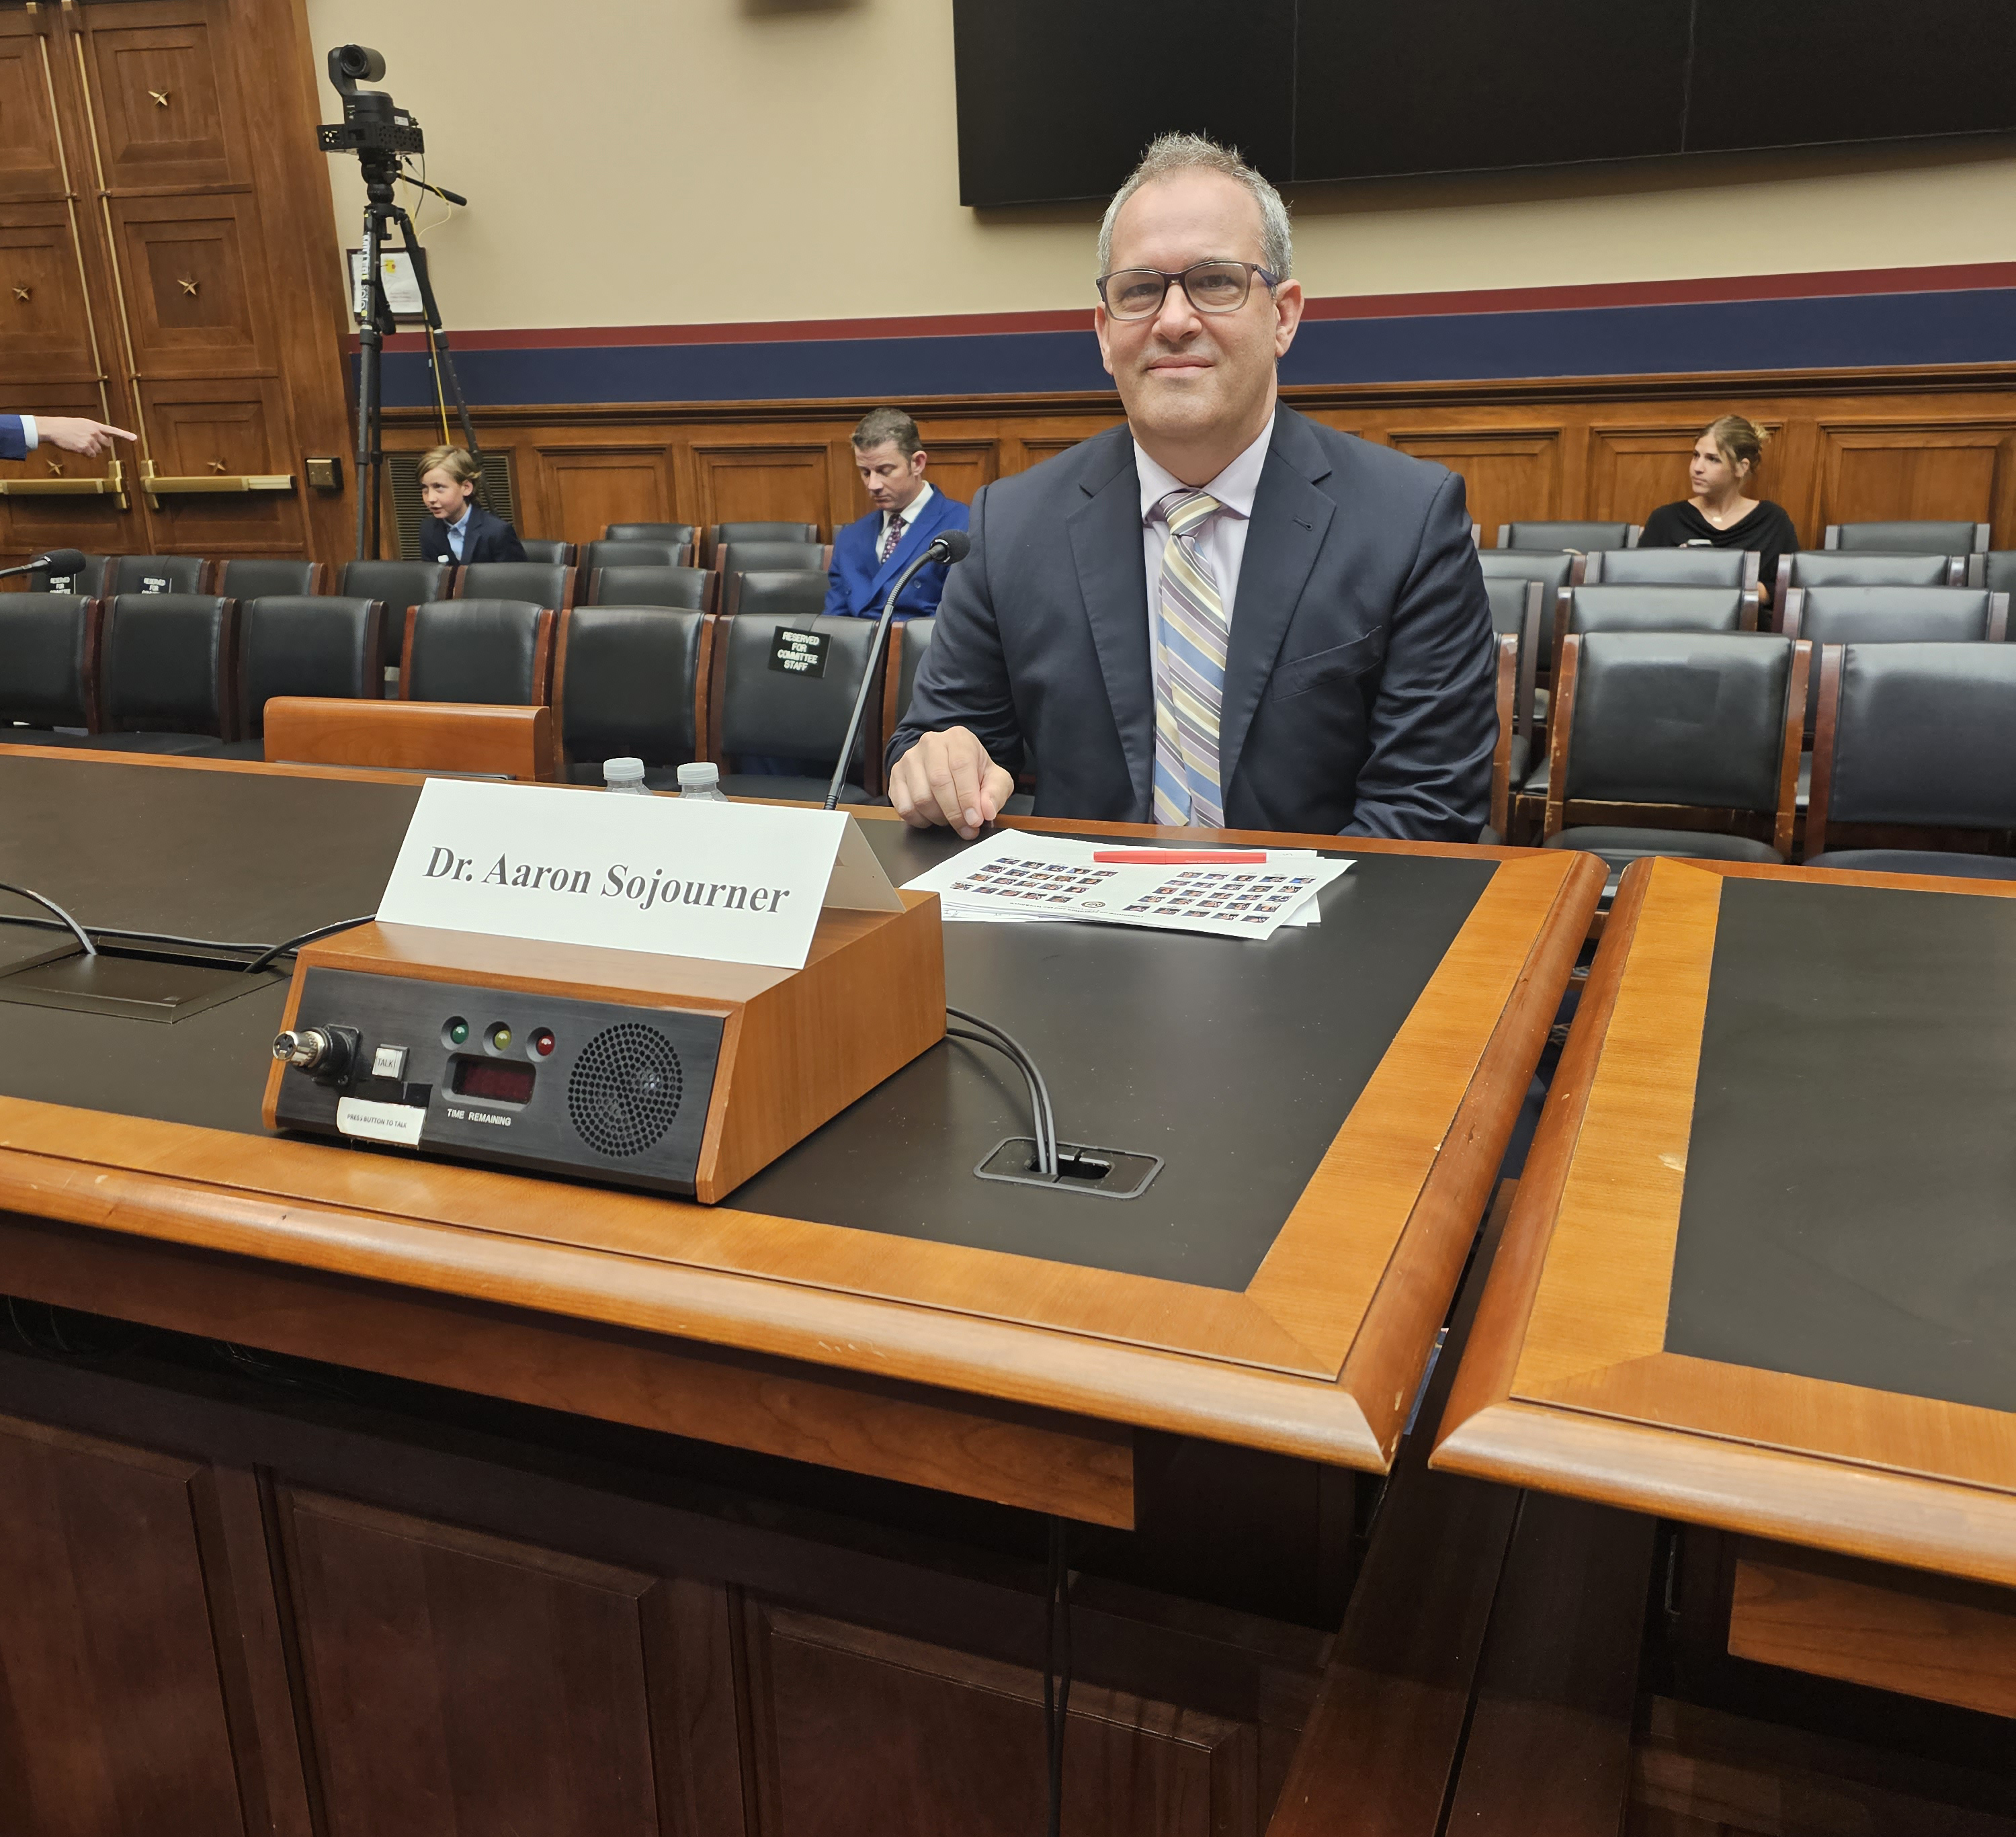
x=1189, y=669
x=891, y=538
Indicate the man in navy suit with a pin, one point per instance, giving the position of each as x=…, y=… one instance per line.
x=869, y=554
x=457, y=528
x=20, y=435
x=1222, y=613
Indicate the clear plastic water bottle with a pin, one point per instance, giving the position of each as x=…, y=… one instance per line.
x=625, y=774
x=702, y=779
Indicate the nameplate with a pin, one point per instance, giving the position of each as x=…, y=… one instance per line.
x=678, y=876
x=798, y=653
x=153, y=583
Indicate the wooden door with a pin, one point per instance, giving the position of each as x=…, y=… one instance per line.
x=168, y=245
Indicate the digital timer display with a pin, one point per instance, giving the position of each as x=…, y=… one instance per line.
x=497, y=1081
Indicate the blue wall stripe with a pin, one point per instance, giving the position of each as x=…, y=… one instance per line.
x=1854, y=332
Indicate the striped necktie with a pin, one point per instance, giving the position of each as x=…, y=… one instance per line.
x=1189, y=669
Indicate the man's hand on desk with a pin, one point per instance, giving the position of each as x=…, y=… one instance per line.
x=75, y=435
x=949, y=778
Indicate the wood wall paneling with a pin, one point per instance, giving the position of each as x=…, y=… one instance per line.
x=583, y=490
x=42, y=296
x=29, y=167
x=166, y=97
x=464, y=1682
x=854, y=1730
x=763, y=482
x=112, y=1716
x=1875, y=472
x=1510, y=475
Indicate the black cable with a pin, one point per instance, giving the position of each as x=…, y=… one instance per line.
x=1056, y=1671
x=307, y=937
x=1046, y=1120
x=90, y=949
x=1028, y=1077
x=140, y=937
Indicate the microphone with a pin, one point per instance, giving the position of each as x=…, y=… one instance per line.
x=67, y=564
x=948, y=547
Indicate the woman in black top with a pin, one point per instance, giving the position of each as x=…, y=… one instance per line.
x=1719, y=515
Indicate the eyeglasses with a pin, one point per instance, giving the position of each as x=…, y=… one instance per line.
x=1213, y=286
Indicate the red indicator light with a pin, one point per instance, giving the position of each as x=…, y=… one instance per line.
x=542, y=1043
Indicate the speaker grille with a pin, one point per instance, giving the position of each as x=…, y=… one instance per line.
x=625, y=1089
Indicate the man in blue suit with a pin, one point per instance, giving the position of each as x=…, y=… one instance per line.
x=20, y=435
x=868, y=554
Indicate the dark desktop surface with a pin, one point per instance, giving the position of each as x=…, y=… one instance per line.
x=1235, y=1060
x=1850, y=1207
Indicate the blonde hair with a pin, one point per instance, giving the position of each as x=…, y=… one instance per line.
x=1737, y=440
x=455, y=462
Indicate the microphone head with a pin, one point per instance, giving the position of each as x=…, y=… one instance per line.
x=953, y=545
x=68, y=562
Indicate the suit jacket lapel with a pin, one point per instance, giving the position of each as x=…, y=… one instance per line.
x=919, y=529
x=1290, y=517
x=1112, y=579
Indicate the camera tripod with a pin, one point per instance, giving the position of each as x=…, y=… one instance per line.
x=374, y=320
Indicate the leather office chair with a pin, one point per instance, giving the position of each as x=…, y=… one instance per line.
x=1849, y=567
x=49, y=667
x=540, y=548
x=768, y=558
x=1553, y=568
x=551, y=583
x=165, y=682
x=1996, y=570
x=717, y=534
x=1674, y=567
x=243, y=580
x=752, y=709
x=909, y=640
x=1892, y=615
x=1916, y=535
x=784, y=593
x=1694, y=734
x=631, y=682
x=478, y=650
x=681, y=535
x=90, y=584
x=401, y=584
x=1518, y=610
x=631, y=554
x=1650, y=609
x=692, y=589
x=155, y=574
x=1916, y=744
x=1581, y=538
x=303, y=645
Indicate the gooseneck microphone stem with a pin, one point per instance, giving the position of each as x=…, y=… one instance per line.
x=58, y=561
x=951, y=547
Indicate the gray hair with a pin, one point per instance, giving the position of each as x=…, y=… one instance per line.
x=1170, y=153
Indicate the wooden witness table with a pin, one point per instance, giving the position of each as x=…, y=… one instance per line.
x=1759, y=1274
x=800, y=1445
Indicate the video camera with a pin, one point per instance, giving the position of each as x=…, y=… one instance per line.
x=372, y=122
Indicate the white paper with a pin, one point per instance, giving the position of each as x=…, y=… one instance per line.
x=1013, y=878
x=680, y=876
x=380, y=1122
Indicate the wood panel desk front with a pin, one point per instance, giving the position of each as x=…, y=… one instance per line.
x=1761, y=1274
x=864, y=1327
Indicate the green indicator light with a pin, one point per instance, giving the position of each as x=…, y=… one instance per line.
x=459, y=1033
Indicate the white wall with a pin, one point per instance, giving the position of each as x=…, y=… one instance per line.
x=665, y=162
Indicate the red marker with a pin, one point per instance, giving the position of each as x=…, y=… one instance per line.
x=1179, y=858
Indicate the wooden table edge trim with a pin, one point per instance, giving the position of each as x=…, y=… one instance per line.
x=1485, y=1377
x=1044, y=1367
x=1440, y=1230
x=1807, y=1501
x=351, y=774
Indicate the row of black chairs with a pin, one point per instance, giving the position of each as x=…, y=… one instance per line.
x=1688, y=745
x=1913, y=536
x=192, y=673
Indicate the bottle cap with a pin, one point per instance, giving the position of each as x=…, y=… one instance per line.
x=623, y=771
x=702, y=774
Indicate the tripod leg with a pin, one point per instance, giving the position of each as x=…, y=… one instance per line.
x=443, y=357
x=369, y=349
